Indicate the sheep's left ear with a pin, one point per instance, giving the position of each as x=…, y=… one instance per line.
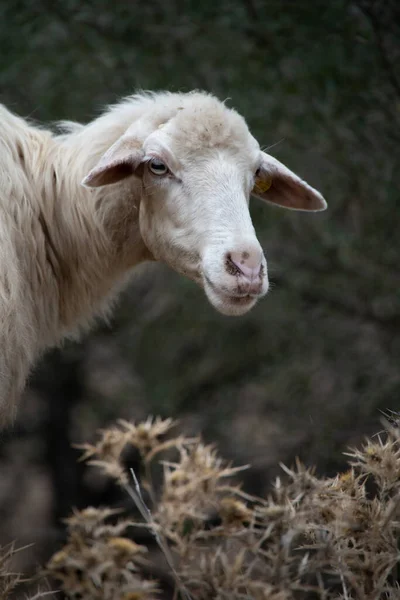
x=120, y=161
x=277, y=184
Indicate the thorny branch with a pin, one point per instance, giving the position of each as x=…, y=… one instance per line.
x=136, y=495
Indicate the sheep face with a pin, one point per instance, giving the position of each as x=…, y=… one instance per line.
x=198, y=171
x=195, y=217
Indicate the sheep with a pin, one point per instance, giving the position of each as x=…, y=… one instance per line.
x=158, y=176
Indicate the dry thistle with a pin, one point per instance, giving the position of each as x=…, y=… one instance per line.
x=321, y=538
x=98, y=562
x=145, y=437
x=8, y=579
x=381, y=459
x=193, y=486
x=234, y=513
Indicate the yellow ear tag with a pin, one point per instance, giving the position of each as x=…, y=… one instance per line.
x=263, y=185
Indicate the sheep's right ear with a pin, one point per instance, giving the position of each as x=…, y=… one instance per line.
x=120, y=161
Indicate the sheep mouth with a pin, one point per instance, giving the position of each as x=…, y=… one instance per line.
x=236, y=296
x=228, y=303
x=238, y=300
x=241, y=300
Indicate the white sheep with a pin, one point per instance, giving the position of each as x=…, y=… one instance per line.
x=157, y=177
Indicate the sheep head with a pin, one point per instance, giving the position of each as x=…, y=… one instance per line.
x=198, y=169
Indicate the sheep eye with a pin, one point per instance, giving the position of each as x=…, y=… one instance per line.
x=257, y=173
x=158, y=167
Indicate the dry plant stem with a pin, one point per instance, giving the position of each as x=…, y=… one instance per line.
x=10, y=580
x=43, y=594
x=136, y=495
x=345, y=593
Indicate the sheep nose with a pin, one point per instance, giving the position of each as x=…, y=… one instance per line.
x=248, y=262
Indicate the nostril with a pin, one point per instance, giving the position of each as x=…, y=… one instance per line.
x=247, y=263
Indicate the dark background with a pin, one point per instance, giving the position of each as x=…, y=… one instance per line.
x=306, y=372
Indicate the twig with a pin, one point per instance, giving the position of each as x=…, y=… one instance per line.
x=136, y=495
x=343, y=581
x=43, y=594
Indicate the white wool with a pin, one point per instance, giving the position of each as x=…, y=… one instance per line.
x=59, y=266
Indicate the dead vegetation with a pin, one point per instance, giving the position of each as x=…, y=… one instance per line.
x=311, y=537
